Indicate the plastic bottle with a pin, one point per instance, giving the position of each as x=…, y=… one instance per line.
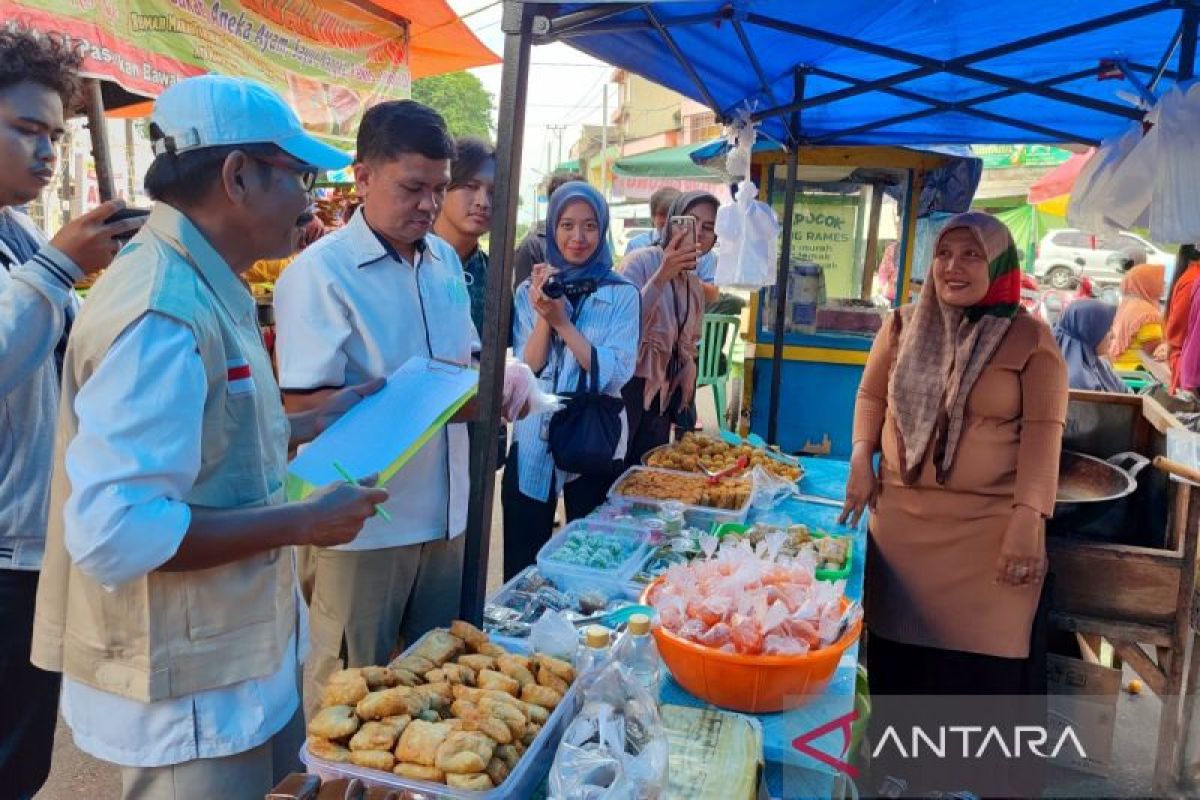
x=637, y=653
x=596, y=650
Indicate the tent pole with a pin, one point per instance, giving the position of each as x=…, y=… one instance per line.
x=870, y=264
x=785, y=260
x=517, y=23
x=98, y=129
x=1187, y=42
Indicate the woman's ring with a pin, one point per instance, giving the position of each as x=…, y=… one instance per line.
x=1022, y=571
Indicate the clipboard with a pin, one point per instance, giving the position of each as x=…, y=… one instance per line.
x=384, y=431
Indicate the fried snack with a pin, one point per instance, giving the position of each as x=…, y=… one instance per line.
x=373, y=759
x=517, y=668
x=393, y=702
x=375, y=736
x=547, y=678
x=542, y=696
x=498, y=681
x=439, y=646
x=535, y=713
x=497, y=770
x=379, y=678
x=452, y=673
x=695, y=490
x=429, y=715
x=420, y=742
x=491, y=649
x=531, y=733
x=557, y=666
x=417, y=665
x=474, y=719
x=440, y=695
x=477, y=662
x=512, y=717
x=322, y=748
x=419, y=772
x=335, y=722
x=464, y=752
x=508, y=754
x=478, y=782
x=406, y=678
x=399, y=722
x=344, y=688
x=468, y=633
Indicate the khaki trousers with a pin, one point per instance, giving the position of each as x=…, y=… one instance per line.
x=245, y=776
x=369, y=604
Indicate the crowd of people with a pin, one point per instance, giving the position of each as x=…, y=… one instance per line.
x=156, y=586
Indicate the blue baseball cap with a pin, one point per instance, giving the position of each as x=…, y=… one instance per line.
x=220, y=111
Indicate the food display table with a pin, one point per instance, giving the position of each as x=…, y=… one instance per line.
x=790, y=772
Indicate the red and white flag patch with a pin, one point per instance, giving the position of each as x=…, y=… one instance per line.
x=238, y=377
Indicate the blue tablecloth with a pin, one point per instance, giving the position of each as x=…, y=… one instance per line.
x=790, y=773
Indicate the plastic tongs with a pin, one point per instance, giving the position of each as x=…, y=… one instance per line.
x=716, y=477
x=613, y=619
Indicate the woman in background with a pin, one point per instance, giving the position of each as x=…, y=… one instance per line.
x=1179, y=307
x=1084, y=333
x=1138, y=327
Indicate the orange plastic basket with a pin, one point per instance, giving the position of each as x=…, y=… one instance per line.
x=753, y=684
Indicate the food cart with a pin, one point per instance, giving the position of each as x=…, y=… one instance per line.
x=909, y=74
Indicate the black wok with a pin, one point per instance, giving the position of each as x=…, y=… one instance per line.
x=1090, y=488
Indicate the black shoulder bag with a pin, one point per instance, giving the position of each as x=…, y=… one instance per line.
x=583, y=437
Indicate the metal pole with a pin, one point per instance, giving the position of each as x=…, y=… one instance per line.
x=785, y=258
x=130, y=160
x=517, y=24
x=604, y=140
x=98, y=128
x=1187, y=43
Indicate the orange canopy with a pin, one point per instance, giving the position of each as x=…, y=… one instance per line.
x=439, y=41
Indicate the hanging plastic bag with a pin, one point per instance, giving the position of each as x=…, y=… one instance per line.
x=1166, y=165
x=748, y=228
x=1095, y=200
x=616, y=749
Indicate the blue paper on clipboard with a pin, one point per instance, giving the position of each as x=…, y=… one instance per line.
x=381, y=433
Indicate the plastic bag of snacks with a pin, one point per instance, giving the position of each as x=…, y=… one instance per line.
x=616, y=749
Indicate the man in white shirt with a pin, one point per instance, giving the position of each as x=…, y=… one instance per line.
x=168, y=591
x=38, y=78
x=357, y=305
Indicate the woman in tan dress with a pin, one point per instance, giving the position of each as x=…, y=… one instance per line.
x=964, y=397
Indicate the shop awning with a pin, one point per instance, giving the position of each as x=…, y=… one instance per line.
x=439, y=40
x=666, y=162
x=569, y=166
x=902, y=72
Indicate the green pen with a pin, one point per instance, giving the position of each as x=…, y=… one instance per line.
x=380, y=510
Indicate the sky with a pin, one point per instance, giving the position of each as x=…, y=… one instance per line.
x=565, y=90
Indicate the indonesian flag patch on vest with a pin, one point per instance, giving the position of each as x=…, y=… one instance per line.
x=238, y=376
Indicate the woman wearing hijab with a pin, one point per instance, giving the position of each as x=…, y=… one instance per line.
x=559, y=338
x=1179, y=308
x=964, y=397
x=1138, y=327
x=664, y=384
x=1083, y=333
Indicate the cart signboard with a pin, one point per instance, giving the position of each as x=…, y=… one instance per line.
x=330, y=59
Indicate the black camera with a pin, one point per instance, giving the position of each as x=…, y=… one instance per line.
x=555, y=287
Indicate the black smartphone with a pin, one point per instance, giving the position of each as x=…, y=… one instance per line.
x=127, y=213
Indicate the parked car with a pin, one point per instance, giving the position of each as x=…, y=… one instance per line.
x=1063, y=256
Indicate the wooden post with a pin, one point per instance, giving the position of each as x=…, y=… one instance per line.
x=869, y=259
x=94, y=105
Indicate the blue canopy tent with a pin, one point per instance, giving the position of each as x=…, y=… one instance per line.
x=861, y=72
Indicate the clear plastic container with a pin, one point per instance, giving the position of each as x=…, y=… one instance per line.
x=636, y=652
x=521, y=783
x=703, y=517
x=580, y=578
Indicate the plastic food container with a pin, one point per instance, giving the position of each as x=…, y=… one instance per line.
x=731, y=528
x=752, y=684
x=579, y=578
x=522, y=782
x=703, y=517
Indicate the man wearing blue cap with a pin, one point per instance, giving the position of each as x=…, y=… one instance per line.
x=168, y=591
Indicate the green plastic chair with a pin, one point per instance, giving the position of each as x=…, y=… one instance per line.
x=718, y=338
